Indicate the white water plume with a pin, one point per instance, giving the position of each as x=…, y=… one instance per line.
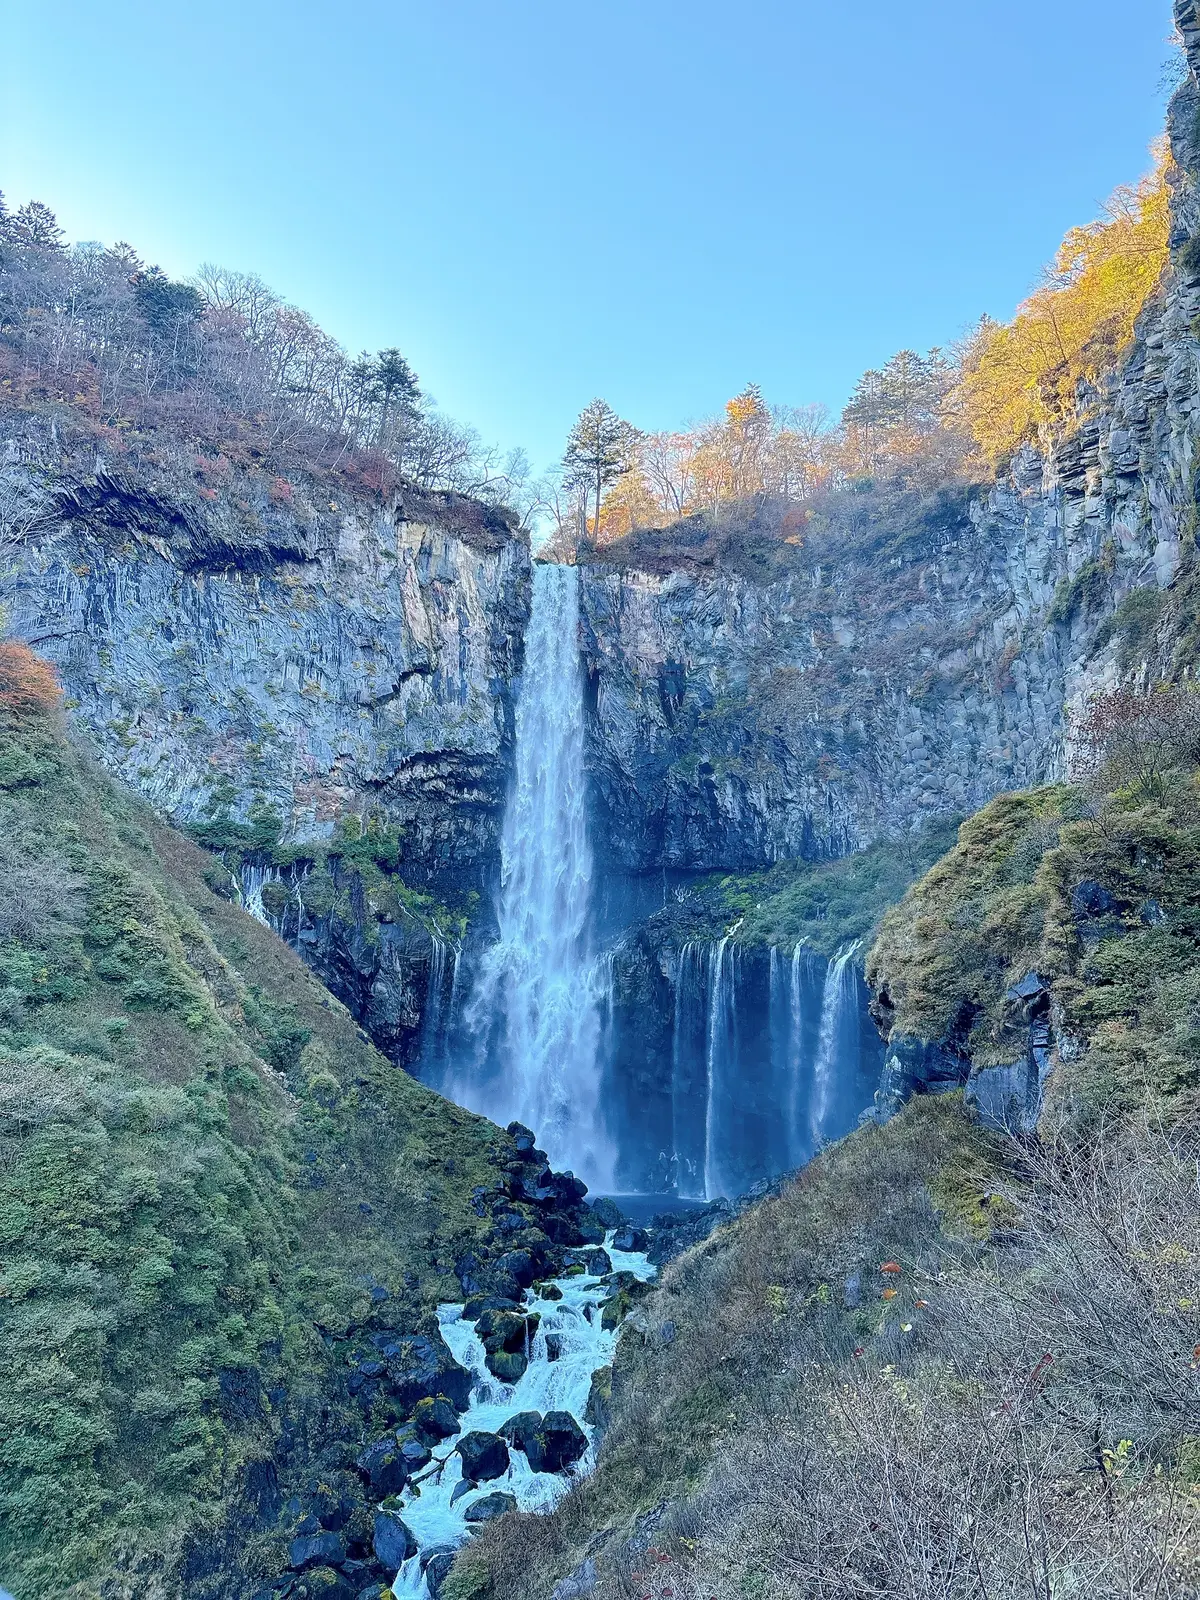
x=537, y=1002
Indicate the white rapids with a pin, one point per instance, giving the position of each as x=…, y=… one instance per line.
x=574, y=1322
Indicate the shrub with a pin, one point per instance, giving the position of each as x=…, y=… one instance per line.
x=28, y=685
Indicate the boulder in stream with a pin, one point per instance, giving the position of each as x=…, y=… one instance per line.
x=438, y=1570
x=556, y=1444
x=484, y=1455
x=521, y=1427
x=510, y=1366
x=393, y=1541
x=490, y=1507
x=595, y=1262
x=631, y=1239
x=435, y=1419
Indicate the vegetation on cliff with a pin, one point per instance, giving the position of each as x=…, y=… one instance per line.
x=223, y=362
x=209, y=1183
x=1094, y=887
x=945, y=417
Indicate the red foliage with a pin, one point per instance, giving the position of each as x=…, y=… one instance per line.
x=28, y=686
x=282, y=492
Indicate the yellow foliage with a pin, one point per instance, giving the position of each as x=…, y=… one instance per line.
x=1020, y=376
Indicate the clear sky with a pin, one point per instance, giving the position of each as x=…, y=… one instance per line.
x=540, y=201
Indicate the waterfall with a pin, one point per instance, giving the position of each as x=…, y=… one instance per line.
x=438, y=1019
x=689, y=1035
x=535, y=1009
x=722, y=1053
x=251, y=880
x=840, y=994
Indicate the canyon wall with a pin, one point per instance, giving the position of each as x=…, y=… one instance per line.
x=903, y=655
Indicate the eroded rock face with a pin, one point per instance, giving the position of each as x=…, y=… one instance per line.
x=319, y=660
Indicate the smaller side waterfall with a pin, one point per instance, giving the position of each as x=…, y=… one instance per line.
x=437, y=1023
x=840, y=996
x=770, y=1060
x=722, y=1054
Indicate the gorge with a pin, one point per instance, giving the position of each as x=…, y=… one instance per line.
x=655, y=1064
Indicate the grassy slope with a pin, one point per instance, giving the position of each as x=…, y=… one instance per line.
x=1125, y=985
x=203, y=1168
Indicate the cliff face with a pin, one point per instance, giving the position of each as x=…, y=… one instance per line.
x=275, y=669
x=915, y=654
x=265, y=651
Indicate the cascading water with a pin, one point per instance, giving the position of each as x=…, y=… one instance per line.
x=722, y=1050
x=535, y=1014
x=770, y=1045
x=571, y=1344
x=438, y=1018
x=841, y=993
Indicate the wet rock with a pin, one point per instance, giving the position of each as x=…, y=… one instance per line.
x=438, y=1570
x=522, y=1137
x=595, y=1262
x=421, y=1367
x=460, y=1489
x=316, y=1549
x=383, y=1466
x=484, y=1456
x=608, y=1213
x=556, y=1444
x=631, y=1239
x=393, y=1541
x=510, y=1366
x=475, y=1307
x=519, y=1266
x=520, y=1428
x=413, y=1448
x=435, y=1419
x=490, y=1507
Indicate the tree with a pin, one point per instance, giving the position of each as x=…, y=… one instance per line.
x=36, y=227
x=1021, y=376
x=395, y=387
x=600, y=448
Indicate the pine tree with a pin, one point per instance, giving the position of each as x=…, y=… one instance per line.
x=599, y=449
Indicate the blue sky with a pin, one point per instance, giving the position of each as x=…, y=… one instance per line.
x=541, y=202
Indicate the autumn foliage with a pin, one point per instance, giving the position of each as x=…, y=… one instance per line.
x=28, y=685
x=1020, y=376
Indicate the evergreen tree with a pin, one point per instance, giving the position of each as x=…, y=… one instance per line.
x=599, y=449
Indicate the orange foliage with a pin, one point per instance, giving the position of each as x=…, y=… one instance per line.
x=28, y=685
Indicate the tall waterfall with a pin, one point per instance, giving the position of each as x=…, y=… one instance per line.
x=536, y=1004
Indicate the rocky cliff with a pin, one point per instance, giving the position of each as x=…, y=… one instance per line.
x=286, y=671
x=905, y=655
